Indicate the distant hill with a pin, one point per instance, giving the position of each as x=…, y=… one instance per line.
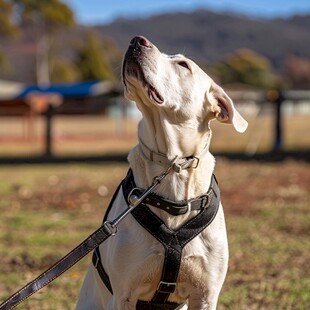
x=209, y=36
x=202, y=35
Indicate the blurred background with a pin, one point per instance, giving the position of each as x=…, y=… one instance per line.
x=60, y=65
x=66, y=129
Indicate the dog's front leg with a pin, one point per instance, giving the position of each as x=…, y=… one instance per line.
x=199, y=302
x=94, y=294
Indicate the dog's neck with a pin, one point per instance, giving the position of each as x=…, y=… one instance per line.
x=172, y=139
x=163, y=135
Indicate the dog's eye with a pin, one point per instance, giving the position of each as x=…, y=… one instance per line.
x=184, y=64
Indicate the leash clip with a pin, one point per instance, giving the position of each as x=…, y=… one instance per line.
x=110, y=227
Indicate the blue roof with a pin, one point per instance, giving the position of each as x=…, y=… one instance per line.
x=66, y=90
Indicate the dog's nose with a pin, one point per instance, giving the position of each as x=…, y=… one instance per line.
x=139, y=41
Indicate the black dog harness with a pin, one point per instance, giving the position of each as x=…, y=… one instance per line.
x=173, y=241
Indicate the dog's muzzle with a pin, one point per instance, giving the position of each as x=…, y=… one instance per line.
x=133, y=58
x=137, y=58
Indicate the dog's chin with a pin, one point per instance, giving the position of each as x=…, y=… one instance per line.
x=134, y=75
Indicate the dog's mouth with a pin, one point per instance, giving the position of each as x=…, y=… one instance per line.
x=133, y=69
x=154, y=94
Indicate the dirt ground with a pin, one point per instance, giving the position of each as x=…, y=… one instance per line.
x=246, y=185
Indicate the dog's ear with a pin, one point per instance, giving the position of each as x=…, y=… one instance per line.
x=223, y=108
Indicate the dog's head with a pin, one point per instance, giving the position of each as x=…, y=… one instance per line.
x=175, y=83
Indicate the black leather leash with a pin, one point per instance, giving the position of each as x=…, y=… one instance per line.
x=94, y=240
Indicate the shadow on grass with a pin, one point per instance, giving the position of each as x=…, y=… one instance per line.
x=303, y=155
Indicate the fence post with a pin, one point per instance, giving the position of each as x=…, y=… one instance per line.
x=276, y=96
x=48, y=132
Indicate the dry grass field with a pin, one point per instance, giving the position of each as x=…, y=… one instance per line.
x=46, y=210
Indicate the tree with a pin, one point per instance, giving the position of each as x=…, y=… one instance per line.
x=94, y=59
x=246, y=67
x=46, y=17
x=48, y=13
x=4, y=65
x=64, y=71
x=7, y=27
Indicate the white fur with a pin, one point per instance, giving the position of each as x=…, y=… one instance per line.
x=177, y=126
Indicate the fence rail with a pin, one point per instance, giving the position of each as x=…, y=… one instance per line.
x=261, y=103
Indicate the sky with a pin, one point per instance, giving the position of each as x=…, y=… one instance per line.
x=101, y=11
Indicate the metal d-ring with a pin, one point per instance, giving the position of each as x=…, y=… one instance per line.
x=134, y=201
x=131, y=198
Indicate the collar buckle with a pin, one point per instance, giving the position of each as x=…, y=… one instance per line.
x=186, y=163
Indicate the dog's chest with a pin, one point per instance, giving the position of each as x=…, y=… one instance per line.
x=145, y=277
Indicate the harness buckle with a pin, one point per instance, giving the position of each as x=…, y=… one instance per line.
x=166, y=287
x=207, y=204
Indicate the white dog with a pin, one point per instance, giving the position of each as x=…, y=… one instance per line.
x=178, y=100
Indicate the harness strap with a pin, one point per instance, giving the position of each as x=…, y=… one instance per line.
x=96, y=259
x=154, y=200
x=147, y=305
x=99, y=236
x=173, y=242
